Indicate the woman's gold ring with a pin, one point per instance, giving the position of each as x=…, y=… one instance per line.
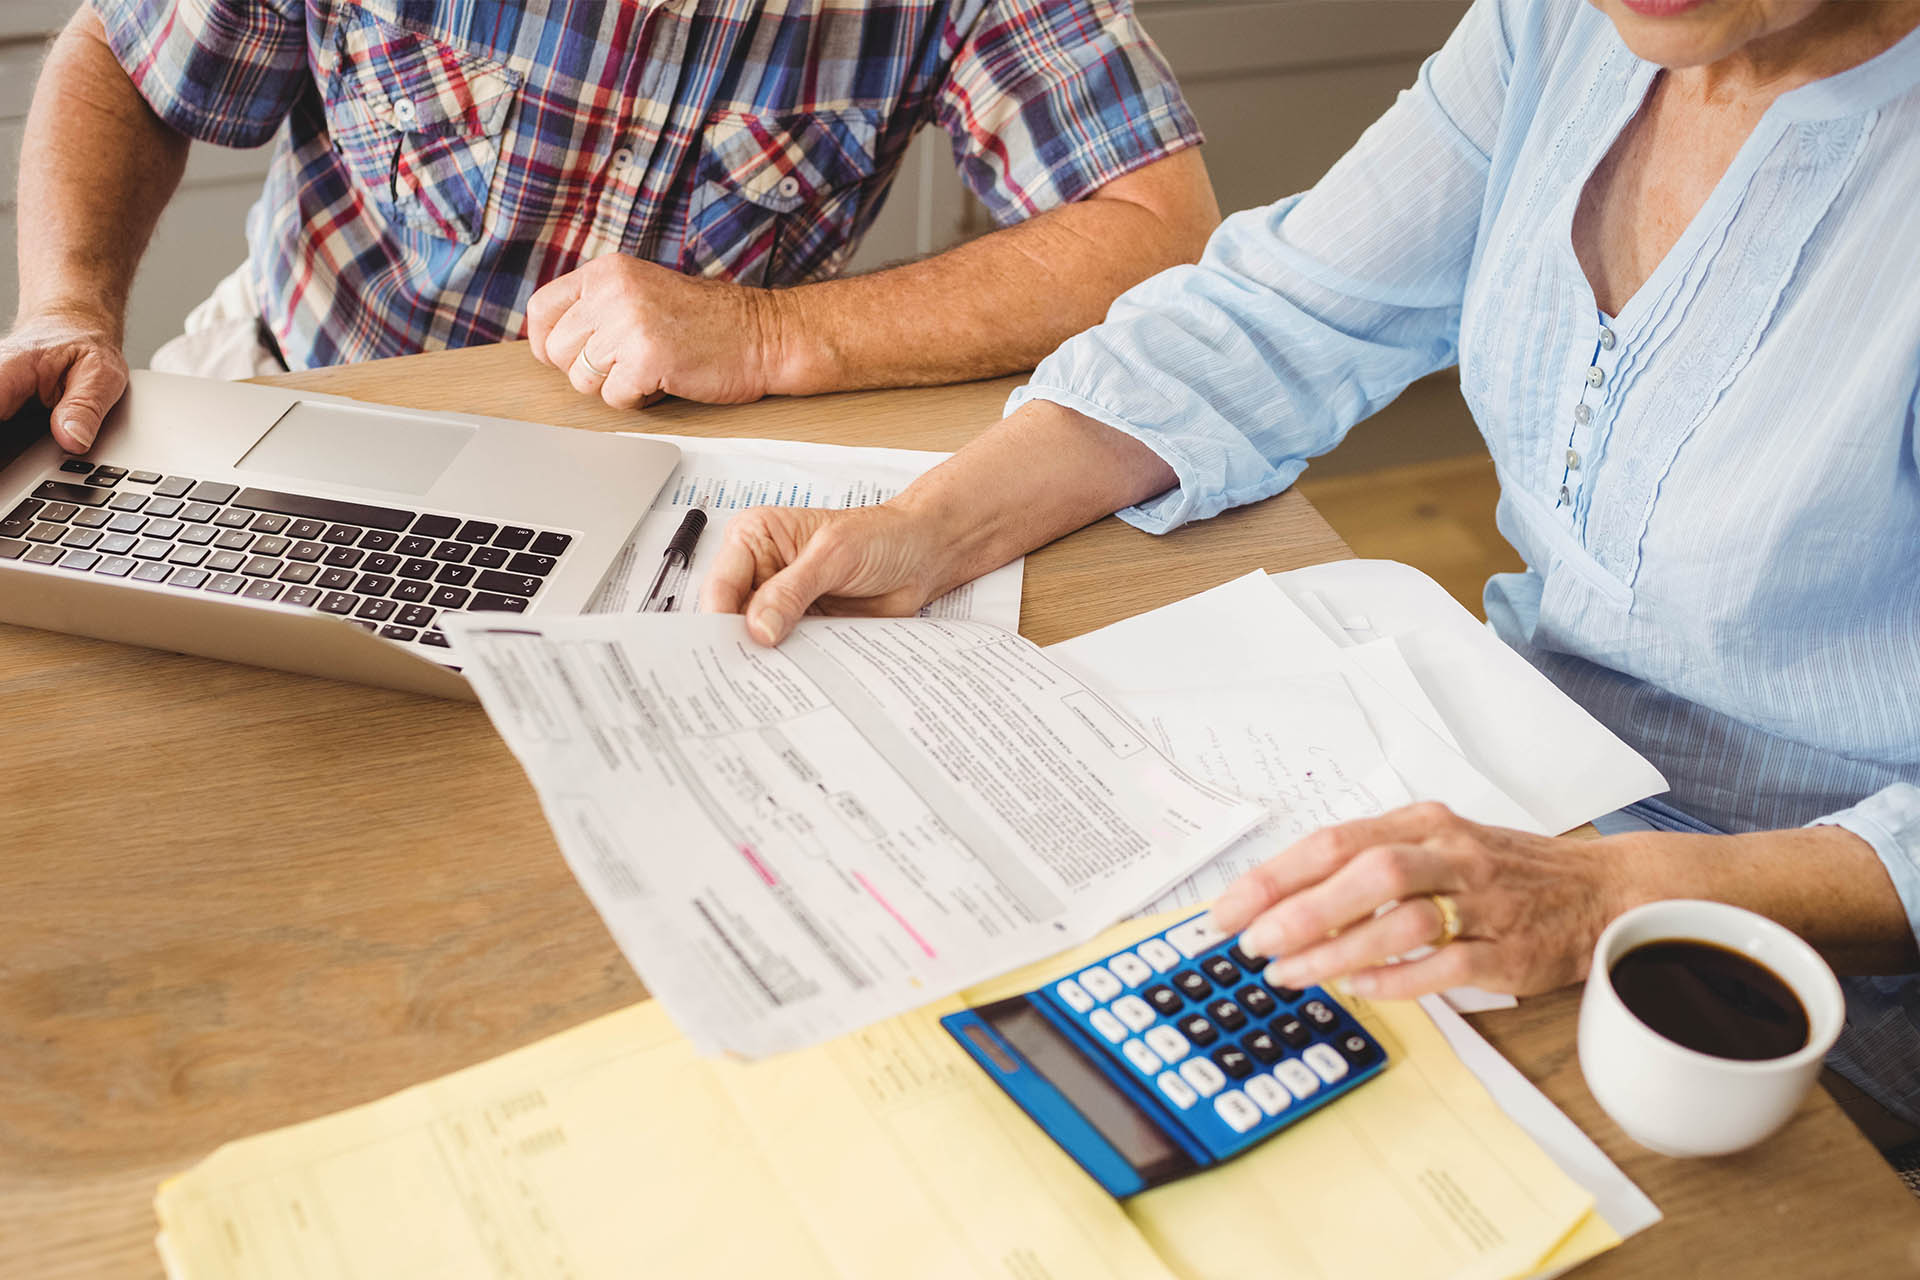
x=1449, y=917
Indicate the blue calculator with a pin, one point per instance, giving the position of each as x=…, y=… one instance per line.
x=1168, y=1057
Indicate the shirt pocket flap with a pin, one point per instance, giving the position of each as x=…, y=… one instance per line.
x=784, y=162
x=415, y=84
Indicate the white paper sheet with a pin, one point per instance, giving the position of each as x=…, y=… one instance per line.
x=1535, y=743
x=726, y=477
x=1299, y=746
x=790, y=844
x=1383, y=660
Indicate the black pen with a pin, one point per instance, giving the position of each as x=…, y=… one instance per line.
x=678, y=555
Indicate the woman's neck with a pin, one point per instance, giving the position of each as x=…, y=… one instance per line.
x=1840, y=34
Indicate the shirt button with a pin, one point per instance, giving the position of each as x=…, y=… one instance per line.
x=403, y=110
x=1582, y=414
x=1566, y=495
x=1595, y=377
x=1606, y=338
x=623, y=158
x=789, y=186
x=1573, y=460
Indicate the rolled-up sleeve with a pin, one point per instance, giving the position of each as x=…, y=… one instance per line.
x=1047, y=101
x=1889, y=820
x=219, y=71
x=1305, y=316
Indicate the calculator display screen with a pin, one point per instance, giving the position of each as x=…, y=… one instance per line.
x=1123, y=1124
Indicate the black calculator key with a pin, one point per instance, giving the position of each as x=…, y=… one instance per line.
x=1234, y=1061
x=1292, y=1032
x=415, y=616
x=78, y=494
x=1262, y=1046
x=335, y=579
x=1356, y=1048
x=477, y=531
x=435, y=526
x=1317, y=1012
x=338, y=602
x=513, y=584
x=527, y=562
x=414, y=546
x=457, y=575
x=79, y=466
x=1227, y=1014
x=437, y=639
x=378, y=540
x=413, y=591
x=173, y=487
x=1256, y=1001
x=1252, y=964
x=1165, y=1000
x=416, y=568
x=341, y=535
x=451, y=551
x=1285, y=995
x=552, y=544
x=1192, y=985
x=212, y=491
x=306, y=529
x=144, y=477
x=488, y=602
x=302, y=596
x=488, y=557
x=450, y=598
x=391, y=632
x=1198, y=1029
x=1223, y=971
x=513, y=537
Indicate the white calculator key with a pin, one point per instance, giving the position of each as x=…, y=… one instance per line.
x=1167, y=1042
x=1140, y=1056
x=1203, y=1075
x=1326, y=1063
x=1178, y=1092
x=1135, y=1012
x=1101, y=984
x=1193, y=937
x=1131, y=969
x=1074, y=995
x=1266, y=1091
x=1157, y=953
x=1300, y=1082
x=1107, y=1025
x=1233, y=1107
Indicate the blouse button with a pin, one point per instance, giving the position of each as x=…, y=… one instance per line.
x=404, y=111
x=1582, y=414
x=1573, y=460
x=1606, y=338
x=1566, y=495
x=1595, y=377
x=789, y=186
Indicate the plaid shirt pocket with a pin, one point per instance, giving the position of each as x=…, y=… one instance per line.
x=780, y=197
x=417, y=122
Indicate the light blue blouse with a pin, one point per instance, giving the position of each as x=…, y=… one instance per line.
x=1717, y=493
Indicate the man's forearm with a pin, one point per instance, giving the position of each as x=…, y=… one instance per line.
x=997, y=304
x=96, y=168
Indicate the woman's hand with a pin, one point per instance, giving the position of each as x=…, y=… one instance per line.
x=1530, y=907
x=778, y=563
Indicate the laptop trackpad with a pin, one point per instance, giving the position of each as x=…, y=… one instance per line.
x=367, y=448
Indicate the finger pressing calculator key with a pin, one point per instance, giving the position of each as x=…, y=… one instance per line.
x=1169, y=1057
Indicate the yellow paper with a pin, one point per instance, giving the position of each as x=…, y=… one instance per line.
x=611, y=1150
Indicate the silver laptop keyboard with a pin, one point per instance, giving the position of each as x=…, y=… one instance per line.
x=387, y=569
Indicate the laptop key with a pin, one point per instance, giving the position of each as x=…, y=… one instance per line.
x=373, y=584
x=226, y=584
x=511, y=584
x=414, y=546
x=412, y=589
x=306, y=551
x=415, y=616
x=51, y=555
x=391, y=632
x=454, y=575
x=189, y=556
x=450, y=598
x=380, y=562
x=114, y=567
x=221, y=561
x=375, y=610
x=81, y=560
x=104, y=474
x=332, y=510
x=44, y=532
x=294, y=571
x=173, y=487
x=261, y=567
x=213, y=491
x=345, y=557
x=335, y=579
x=78, y=494
x=94, y=518
x=199, y=512
x=12, y=548
x=306, y=528
x=488, y=602
x=268, y=522
x=127, y=522
x=435, y=638
x=27, y=510
x=144, y=477
x=14, y=528
x=116, y=544
x=188, y=578
x=364, y=625
x=82, y=538
x=78, y=466
x=451, y=551
x=552, y=544
x=527, y=562
x=59, y=512
x=416, y=569
x=435, y=526
x=263, y=590
x=198, y=535
x=232, y=518
x=489, y=557
x=270, y=546
x=378, y=540
x=514, y=537
x=477, y=531
x=340, y=535
x=156, y=572
x=338, y=602
x=304, y=597
x=127, y=501
x=163, y=507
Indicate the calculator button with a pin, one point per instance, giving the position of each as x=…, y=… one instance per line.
x=1326, y=1063
x=1130, y=968
x=1300, y=1082
x=1223, y=971
x=1263, y=1046
x=1227, y=1014
x=1101, y=984
x=1145, y=1060
x=1135, y=1012
x=1291, y=1030
x=1233, y=1107
x=1194, y=937
x=1256, y=1002
x=1319, y=1014
x=1285, y=995
x=1192, y=985
x=1266, y=1091
x=1157, y=953
x=1355, y=1048
x=1177, y=1091
x=1251, y=963
x=1234, y=1061
x=1198, y=1030
x=1203, y=1076
x=1073, y=995
x=1167, y=1042
x=1107, y=1025
x=1164, y=999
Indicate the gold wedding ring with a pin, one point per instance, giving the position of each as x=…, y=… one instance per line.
x=592, y=368
x=1449, y=917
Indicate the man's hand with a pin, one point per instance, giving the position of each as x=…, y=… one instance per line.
x=70, y=362
x=629, y=331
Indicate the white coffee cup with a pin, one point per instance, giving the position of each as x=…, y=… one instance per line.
x=1679, y=1101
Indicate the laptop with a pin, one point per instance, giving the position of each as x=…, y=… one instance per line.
x=306, y=532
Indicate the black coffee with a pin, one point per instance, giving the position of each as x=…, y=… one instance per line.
x=1711, y=999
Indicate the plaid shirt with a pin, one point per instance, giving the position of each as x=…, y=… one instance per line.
x=437, y=160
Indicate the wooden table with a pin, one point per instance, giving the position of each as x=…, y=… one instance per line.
x=231, y=899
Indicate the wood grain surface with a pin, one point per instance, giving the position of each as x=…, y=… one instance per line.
x=232, y=899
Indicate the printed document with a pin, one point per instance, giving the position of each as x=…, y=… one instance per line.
x=726, y=477
x=792, y=843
